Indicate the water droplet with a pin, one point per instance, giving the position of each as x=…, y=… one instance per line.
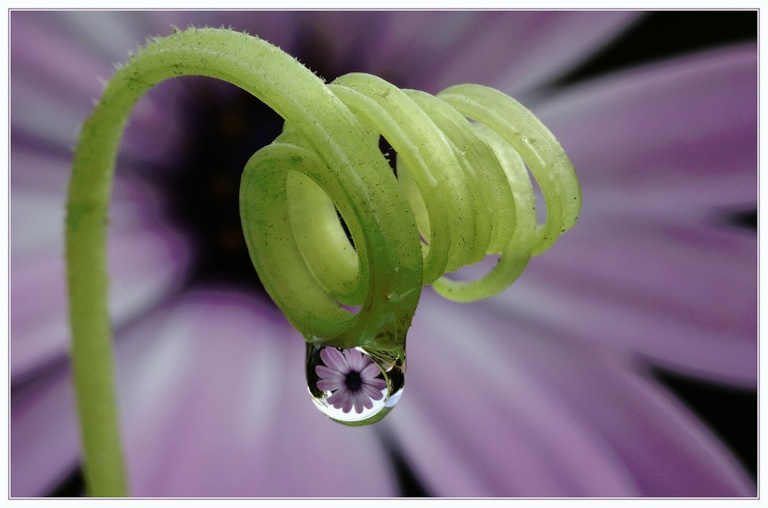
x=355, y=386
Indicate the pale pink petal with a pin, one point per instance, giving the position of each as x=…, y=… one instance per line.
x=334, y=359
x=556, y=418
x=370, y=372
x=664, y=154
x=340, y=399
x=355, y=360
x=686, y=125
x=59, y=72
x=373, y=391
x=328, y=384
x=514, y=49
x=329, y=374
x=216, y=384
x=44, y=434
x=361, y=402
x=525, y=49
x=146, y=259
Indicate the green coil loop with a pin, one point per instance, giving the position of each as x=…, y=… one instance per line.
x=466, y=182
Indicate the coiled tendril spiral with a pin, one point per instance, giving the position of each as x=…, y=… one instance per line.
x=462, y=186
x=466, y=184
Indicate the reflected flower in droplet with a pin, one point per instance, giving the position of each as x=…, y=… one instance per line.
x=363, y=379
x=352, y=377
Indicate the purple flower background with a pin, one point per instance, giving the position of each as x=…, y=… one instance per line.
x=567, y=384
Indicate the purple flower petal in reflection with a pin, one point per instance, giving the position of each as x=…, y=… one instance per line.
x=352, y=377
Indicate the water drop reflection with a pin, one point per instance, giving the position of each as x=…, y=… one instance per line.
x=354, y=386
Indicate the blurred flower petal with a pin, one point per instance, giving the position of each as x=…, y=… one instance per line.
x=110, y=35
x=146, y=259
x=53, y=92
x=532, y=47
x=566, y=419
x=650, y=255
x=537, y=47
x=688, y=123
x=44, y=445
x=223, y=378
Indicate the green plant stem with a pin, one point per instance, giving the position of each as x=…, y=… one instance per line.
x=353, y=168
x=326, y=159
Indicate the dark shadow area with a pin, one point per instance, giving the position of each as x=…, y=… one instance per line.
x=666, y=34
x=72, y=486
x=730, y=412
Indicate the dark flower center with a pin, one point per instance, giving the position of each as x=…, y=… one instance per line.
x=224, y=127
x=353, y=381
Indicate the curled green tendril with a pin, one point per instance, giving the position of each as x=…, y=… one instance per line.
x=462, y=186
x=466, y=184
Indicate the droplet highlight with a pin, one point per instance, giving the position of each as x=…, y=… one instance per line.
x=354, y=386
